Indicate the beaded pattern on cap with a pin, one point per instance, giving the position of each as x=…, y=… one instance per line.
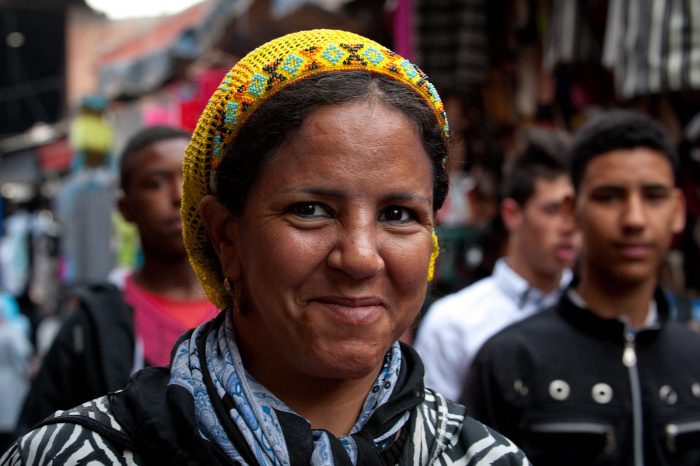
x=256, y=77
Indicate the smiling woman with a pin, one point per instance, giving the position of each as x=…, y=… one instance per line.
x=330, y=258
x=310, y=190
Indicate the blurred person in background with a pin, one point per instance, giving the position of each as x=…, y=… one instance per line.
x=605, y=377
x=113, y=331
x=542, y=245
x=86, y=197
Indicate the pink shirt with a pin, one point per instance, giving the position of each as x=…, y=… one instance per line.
x=159, y=321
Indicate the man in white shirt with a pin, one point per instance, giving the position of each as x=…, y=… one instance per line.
x=542, y=245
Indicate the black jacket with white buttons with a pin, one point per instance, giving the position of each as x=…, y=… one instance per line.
x=571, y=388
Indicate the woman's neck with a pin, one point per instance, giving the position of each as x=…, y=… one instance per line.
x=333, y=404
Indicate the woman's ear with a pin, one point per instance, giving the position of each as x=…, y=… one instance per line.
x=222, y=227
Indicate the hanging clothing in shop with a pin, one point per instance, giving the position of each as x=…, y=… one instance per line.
x=43, y=286
x=452, y=43
x=402, y=24
x=571, y=37
x=14, y=253
x=15, y=354
x=653, y=46
x=85, y=206
x=28, y=259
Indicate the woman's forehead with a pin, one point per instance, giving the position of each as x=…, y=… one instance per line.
x=359, y=143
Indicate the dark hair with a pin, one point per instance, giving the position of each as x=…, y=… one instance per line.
x=285, y=112
x=542, y=158
x=619, y=129
x=142, y=139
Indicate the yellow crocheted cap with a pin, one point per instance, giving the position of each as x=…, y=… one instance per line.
x=256, y=77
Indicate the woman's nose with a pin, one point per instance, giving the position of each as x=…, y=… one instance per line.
x=356, y=253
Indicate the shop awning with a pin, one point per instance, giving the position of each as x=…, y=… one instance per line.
x=147, y=61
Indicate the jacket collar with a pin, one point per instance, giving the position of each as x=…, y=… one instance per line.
x=588, y=321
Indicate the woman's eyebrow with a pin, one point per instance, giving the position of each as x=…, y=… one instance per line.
x=404, y=196
x=339, y=194
x=317, y=191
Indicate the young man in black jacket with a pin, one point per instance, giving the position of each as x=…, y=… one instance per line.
x=604, y=378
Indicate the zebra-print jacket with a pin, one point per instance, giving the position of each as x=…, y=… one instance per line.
x=439, y=434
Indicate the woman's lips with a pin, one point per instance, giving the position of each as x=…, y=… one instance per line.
x=353, y=311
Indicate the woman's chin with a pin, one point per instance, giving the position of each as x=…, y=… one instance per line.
x=351, y=373
x=350, y=363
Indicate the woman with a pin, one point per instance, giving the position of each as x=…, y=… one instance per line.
x=310, y=187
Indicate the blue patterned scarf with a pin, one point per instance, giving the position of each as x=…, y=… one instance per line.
x=255, y=410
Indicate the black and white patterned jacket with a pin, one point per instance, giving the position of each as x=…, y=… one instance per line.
x=439, y=434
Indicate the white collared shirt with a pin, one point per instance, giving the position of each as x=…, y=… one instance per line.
x=456, y=326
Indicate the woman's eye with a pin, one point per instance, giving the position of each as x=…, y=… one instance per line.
x=309, y=210
x=397, y=214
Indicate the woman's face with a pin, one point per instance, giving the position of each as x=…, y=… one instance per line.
x=333, y=246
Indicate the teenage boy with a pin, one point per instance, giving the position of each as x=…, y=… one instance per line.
x=604, y=377
x=542, y=244
x=114, y=331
